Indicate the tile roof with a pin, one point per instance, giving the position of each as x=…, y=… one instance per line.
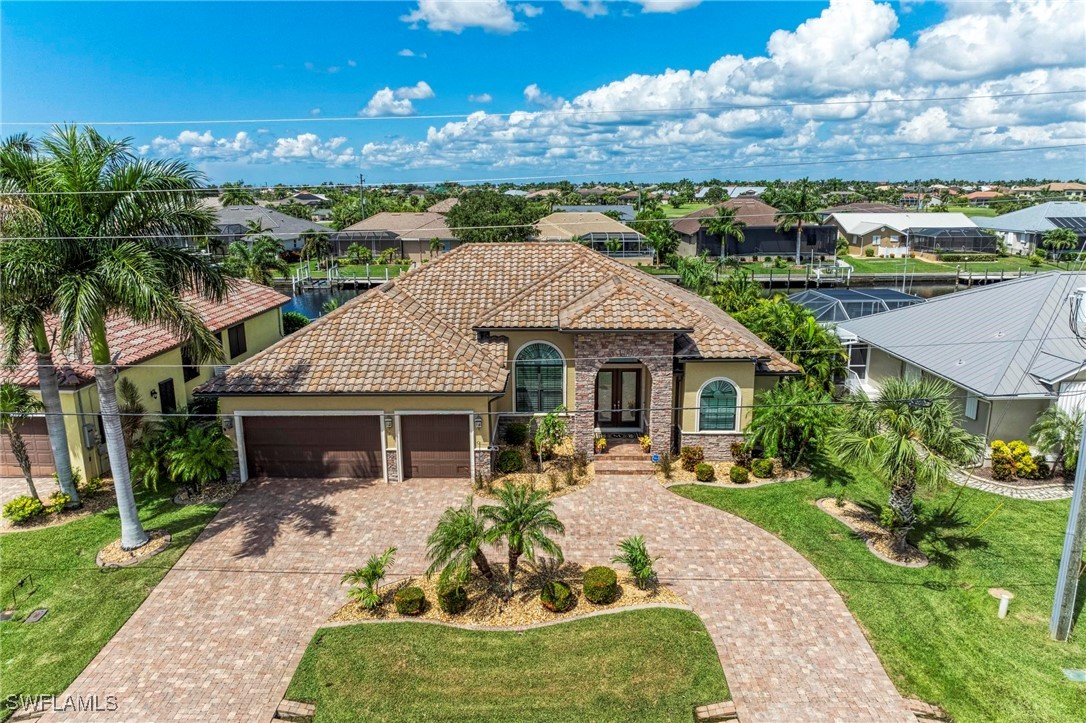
x=444, y=205
x=420, y=332
x=751, y=211
x=565, y=225
x=135, y=343
x=420, y=225
x=232, y=219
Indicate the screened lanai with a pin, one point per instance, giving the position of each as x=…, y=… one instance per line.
x=838, y=305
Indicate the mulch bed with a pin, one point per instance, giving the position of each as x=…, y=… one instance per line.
x=721, y=476
x=113, y=556
x=867, y=527
x=92, y=504
x=487, y=607
x=985, y=474
x=209, y=494
x=553, y=469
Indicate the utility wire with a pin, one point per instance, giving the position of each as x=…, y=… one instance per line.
x=551, y=112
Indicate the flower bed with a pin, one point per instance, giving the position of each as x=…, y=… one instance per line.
x=212, y=493
x=722, y=476
x=93, y=502
x=487, y=607
x=557, y=468
x=867, y=528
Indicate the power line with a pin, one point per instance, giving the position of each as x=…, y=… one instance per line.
x=601, y=174
x=673, y=110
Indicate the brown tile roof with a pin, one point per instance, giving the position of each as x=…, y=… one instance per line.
x=137, y=343
x=421, y=225
x=419, y=333
x=751, y=211
x=565, y=225
x=444, y=205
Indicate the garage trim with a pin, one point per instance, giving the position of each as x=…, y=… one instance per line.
x=469, y=413
x=239, y=430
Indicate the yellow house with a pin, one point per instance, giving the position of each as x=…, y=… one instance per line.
x=418, y=377
x=248, y=321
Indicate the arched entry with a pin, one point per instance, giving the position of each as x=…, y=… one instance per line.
x=620, y=394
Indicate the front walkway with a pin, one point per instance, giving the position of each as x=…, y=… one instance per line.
x=221, y=635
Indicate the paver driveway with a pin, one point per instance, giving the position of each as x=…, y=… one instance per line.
x=222, y=633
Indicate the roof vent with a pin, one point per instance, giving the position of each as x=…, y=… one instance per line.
x=219, y=371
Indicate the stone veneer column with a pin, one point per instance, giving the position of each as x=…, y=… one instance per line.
x=392, y=462
x=654, y=350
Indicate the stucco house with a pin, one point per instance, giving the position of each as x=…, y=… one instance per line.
x=1023, y=230
x=898, y=234
x=1005, y=348
x=232, y=224
x=597, y=231
x=760, y=235
x=417, y=377
x=247, y=321
x=409, y=234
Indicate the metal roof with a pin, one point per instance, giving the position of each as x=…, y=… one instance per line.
x=839, y=305
x=1010, y=338
x=232, y=220
x=1035, y=218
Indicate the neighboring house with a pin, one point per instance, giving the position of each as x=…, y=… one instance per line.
x=897, y=234
x=444, y=205
x=1070, y=191
x=304, y=198
x=321, y=215
x=626, y=213
x=982, y=198
x=598, y=232
x=409, y=234
x=760, y=236
x=861, y=207
x=516, y=192
x=1028, y=191
x=543, y=193
x=233, y=225
x=1006, y=348
x=247, y=322
x=417, y=377
x=1023, y=230
x=834, y=306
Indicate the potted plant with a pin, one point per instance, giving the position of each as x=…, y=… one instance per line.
x=646, y=443
x=601, y=445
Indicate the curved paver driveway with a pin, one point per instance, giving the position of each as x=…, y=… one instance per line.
x=221, y=635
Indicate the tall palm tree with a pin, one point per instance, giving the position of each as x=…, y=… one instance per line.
x=315, y=245
x=435, y=246
x=796, y=207
x=1058, y=432
x=522, y=520
x=725, y=225
x=258, y=262
x=236, y=194
x=109, y=217
x=910, y=436
x=456, y=543
x=16, y=405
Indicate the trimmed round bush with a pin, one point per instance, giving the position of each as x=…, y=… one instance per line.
x=23, y=508
x=600, y=585
x=409, y=600
x=762, y=468
x=452, y=599
x=739, y=475
x=704, y=472
x=516, y=433
x=557, y=596
x=510, y=460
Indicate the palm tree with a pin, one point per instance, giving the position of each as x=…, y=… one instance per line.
x=910, y=436
x=796, y=207
x=16, y=405
x=258, y=262
x=456, y=543
x=435, y=246
x=695, y=272
x=725, y=225
x=106, y=214
x=523, y=520
x=1060, y=239
x=132, y=411
x=359, y=254
x=236, y=194
x=1058, y=432
x=315, y=245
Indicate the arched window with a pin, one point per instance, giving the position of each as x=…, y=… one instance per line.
x=717, y=405
x=539, y=374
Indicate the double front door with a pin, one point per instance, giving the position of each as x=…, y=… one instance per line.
x=618, y=398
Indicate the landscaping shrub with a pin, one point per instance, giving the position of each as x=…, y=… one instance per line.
x=569, y=477
x=56, y=502
x=646, y=443
x=548, y=450
x=762, y=468
x=1044, y=471
x=91, y=487
x=1012, y=460
x=516, y=433
x=600, y=585
x=293, y=321
x=869, y=252
x=741, y=454
x=666, y=465
x=552, y=481
x=601, y=445
x=704, y=472
x=452, y=599
x=634, y=554
x=510, y=460
x=409, y=600
x=557, y=596
x=739, y=475
x=952, y=257
x=23, y=508
x=1003, y=465
x=690, y=457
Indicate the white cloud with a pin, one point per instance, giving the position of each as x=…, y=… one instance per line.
x=409, y=53
x=450, y=16
x=315, y=111
x=203, y=145
x=535, y=96
x=480, y=98
x=528, y=10
x=310, y=147
x=588, y=8
x=397, y=102
x=352, y=63
x=666, y=6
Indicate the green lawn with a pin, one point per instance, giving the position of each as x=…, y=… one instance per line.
x=686, y=208
x=347, y=270
x=896, y=266
x=1007, y=264
x=935, y=629
x=968, y=210
x=645, y=665
x=87, y=605
x=658, y=270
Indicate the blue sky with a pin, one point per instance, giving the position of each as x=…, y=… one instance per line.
x=577, y=77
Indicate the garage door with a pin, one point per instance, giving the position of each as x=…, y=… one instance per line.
x=36, y=438
x=313, y=446
x=435, y=445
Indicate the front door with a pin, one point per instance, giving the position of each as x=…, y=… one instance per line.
x=618, y=398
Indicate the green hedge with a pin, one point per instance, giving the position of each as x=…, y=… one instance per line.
x=510, y=460
x=964, y=257
x=704, y=472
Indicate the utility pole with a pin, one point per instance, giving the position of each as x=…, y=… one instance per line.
x=1063, y=607
x=361, y=194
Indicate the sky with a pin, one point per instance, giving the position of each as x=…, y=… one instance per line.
x=433, y=90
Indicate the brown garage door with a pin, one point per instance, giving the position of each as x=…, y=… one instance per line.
x=36, y=438
x=435, y=445
x=313, y=446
